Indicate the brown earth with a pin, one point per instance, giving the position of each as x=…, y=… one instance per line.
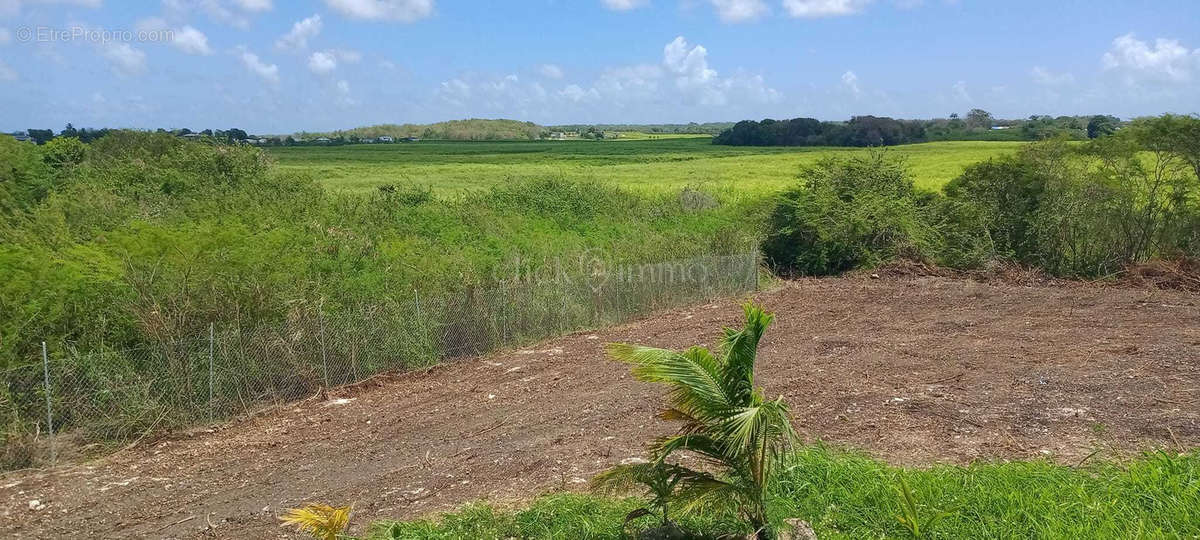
x=914, y=370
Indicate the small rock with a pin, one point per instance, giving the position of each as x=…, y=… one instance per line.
x=797, y=529
x=874, y=276
x=36, y=505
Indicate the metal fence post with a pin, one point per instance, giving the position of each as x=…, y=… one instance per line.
x=754, y=267
x=210, y=371
x=49, y=408
x=324, y=358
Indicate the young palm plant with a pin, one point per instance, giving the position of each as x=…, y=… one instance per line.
x=726, y=421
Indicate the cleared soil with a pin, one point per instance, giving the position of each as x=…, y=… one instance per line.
x=914, y=370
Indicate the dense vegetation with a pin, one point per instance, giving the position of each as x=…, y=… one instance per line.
x=883, y=131
x=850, y=496
x=454, y=130
x=706, y=128
x=647, y=166
x=140, y=240
x=1072, y=210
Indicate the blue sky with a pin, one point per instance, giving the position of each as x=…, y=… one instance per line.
x=271, y=66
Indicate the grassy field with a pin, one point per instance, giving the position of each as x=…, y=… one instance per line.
x=850, y=496
x=654, y=165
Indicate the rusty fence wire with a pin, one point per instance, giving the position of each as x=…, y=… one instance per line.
x=75, y=396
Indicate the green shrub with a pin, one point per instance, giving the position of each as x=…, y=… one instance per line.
x=848, y=213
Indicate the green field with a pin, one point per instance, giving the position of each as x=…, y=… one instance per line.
x=655, y=164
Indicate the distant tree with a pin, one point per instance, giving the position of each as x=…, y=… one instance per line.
x=41, y=136
x=64, y=152
x=184, y=131
x=979, y=118
x=1101, y=125
x=954, y=116
x=69, y=131
x=235, y=135
x=207, y=133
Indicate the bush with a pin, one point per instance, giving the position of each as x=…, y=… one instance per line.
x=1086, y=211
x=848, y=213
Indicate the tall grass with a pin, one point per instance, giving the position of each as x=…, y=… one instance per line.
x=646, y=166
x=851, y=496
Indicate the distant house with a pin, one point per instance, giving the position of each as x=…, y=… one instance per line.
x=321, y=140
x=386, y=139
x=22, y=136
x=998, y=128
x=558, y=136
x=192, y=136
x=410, y=139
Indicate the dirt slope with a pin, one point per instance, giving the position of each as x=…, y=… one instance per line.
x=914, y=370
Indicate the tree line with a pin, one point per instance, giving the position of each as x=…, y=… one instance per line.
x=884, y=131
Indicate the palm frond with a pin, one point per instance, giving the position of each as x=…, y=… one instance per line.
x=740, y=350
x=693, y=374
x=322, y=521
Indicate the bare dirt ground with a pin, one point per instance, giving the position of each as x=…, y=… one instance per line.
x=914, y=370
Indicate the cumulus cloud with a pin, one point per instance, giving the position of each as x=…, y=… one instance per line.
x=13, y=7
x=302, y=31
x=124, y=59
x=325, y=62
x=624, y=5
x=217, y=10
x=850, y=81
x=322, y=63
x=824, y=8
x=383, y=10
x=1166, y=60
x=683, y=78
x=550, y=71
x=186, y=38
x=734, y=11
x=1046, y=77
x=191, y=41
x=254, y=5
x=255, y=65
x=959, y=91
x=343, y=97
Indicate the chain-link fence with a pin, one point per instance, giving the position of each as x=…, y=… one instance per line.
x=76, y=395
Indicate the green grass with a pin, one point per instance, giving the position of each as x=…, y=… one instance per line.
x=450, y=167
x=846, y=495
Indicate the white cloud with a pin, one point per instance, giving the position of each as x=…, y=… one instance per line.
x=850, y=81
x=1046, y=77
x=739, y=10
x=124, y=59
x=186, y=39
x=191, y=41
x=550, y=71
x=959, y=90
x=1166, y=60
x=7, y=73
x=624, y=5
x=13, y=7
x=255, y=65
x=344, y=98
x=383, y=10
x=349, y=56
x=254, y=5
x=576, y=94
x=824, y=8
x=683, y=79
x=322, y=63
x=689, y=65
x=302, y=31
